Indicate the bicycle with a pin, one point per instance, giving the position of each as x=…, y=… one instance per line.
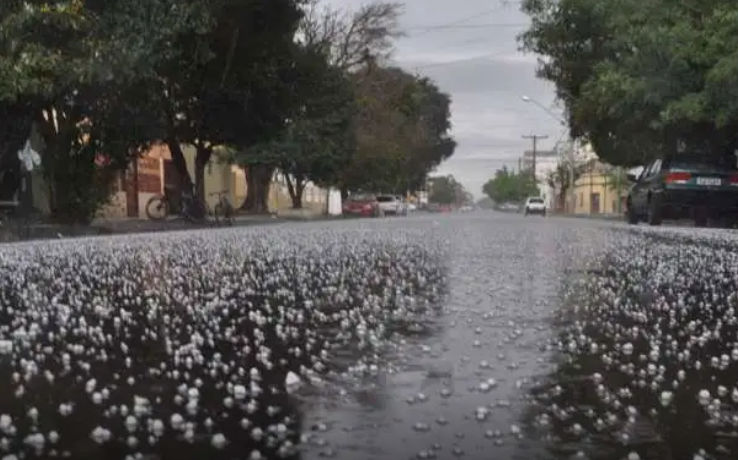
x=193, y=209
x=223, y=209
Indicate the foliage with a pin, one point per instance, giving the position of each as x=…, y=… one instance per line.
x=68, y=64
x=510, y=187
x=446, y=190
x=402, y=133
x=642, y=78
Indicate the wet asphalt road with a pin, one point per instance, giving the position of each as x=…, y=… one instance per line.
x=480, y=335
x=499, y=372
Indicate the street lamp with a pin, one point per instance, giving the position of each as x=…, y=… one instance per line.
x=554, y=115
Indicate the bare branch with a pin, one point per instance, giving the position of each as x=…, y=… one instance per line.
x=352, y=40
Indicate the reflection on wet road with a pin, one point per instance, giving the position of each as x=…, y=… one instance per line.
x=479, y=336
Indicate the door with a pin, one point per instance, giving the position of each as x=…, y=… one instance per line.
x=594, y=203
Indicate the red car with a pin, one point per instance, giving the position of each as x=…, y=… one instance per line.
x=361, y=205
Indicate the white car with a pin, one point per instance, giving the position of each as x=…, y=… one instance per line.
x=389, y=204
x=535, y=205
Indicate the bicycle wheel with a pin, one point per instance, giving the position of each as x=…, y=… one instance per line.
x=157, y=208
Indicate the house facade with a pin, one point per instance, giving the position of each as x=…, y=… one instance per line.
x=597, y=191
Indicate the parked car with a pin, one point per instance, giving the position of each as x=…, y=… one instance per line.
x=364, y=205
x=389, y=204
x=535, y=205
x=692, y=186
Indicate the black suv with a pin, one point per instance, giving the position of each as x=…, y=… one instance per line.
x=698, y=187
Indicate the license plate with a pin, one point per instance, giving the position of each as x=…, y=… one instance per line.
x=709, y=181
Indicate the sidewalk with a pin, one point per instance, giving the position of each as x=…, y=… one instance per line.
x=21, y=231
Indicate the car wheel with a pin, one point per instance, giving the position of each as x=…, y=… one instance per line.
x=630, y=214
x=654, y=212
x=700, y=218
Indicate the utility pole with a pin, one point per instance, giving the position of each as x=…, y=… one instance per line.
x=535, y=138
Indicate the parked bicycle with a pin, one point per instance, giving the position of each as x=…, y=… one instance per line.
x=192, y=209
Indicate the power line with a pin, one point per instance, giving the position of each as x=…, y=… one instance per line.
x=459, y=61
x=470, y=26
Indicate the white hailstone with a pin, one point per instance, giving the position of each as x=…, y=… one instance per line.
x=193, y=394
x=36, y=441
x=6, y=347
x=33, y=414
x=577, y=429
x=209, y=423
x=292, y=382
x=681, y=375
x=100, y=435
x=90, y=385
x=53, y=437
x=65, y=409
x=484, y=387
x=97, y=398
x=722, y=391
x=245, y=423
x=130, y=381
x=228, y=402
x=6, y=421
x=157, y=428
x=131, y=423
x=597, y=378
x=132, y=442
x=704, y=397
x=189, y=435
x=481, y=413
x=239, y=392
x=634, y=456
x=257, y=434
x=176, y=421
x=666, y=398
x=734, y=395
x=514, y=430
x=628, y=349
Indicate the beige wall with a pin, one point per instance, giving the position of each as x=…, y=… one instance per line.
x=595, y=184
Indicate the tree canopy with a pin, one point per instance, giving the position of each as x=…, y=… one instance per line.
x=642, y=77
x=510, y=187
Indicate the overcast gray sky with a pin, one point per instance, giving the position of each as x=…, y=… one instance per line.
x=469, y=48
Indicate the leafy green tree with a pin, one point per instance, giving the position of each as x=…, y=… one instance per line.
x=402, y=132
x=641, y=78
x=68, y=65
x=510, y=187
x=447, y=190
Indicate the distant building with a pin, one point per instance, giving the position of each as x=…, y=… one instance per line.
x=598, y=191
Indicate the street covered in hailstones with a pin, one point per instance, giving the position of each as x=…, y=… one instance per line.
x=469, y=335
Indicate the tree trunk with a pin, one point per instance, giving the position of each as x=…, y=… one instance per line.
x=201, y=160
x=258, y=179
x=295, y=191
x=180, y=164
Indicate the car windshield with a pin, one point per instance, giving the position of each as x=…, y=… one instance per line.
x=702, y=163
x=385, y=199
x=535, y=200
x=362, y=197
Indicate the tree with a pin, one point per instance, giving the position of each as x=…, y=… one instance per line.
x=402, y=133
x=317, y=142
x=641, y=78
x=508, y=186
x=351, y=40
x=223, y=84
x=446, y=190
x=68, y=65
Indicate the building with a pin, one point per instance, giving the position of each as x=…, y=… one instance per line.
x=599, y=191
x=154, y=173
